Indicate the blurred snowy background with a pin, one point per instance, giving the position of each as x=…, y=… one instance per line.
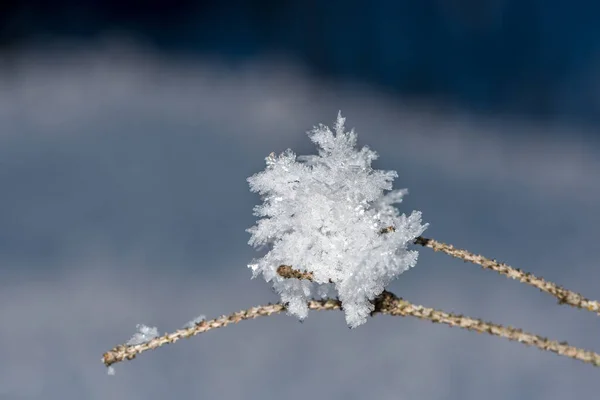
x=127, y=135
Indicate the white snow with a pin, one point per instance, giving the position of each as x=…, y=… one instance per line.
x=144, y=334
x=324, y=214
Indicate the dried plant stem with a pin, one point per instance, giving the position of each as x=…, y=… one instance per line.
x=563, y=295
x=396, y=306
x=386, y=303
x=125, y=352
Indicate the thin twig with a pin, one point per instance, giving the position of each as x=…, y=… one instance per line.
x=386, y=303
x=563, y=295
x=396, y=306
x=125, y=352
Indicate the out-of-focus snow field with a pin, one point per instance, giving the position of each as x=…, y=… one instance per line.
x=124, y=200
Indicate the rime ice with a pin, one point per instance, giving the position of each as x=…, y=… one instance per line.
x=194, y=322
x=324, y=214
x=143, y=335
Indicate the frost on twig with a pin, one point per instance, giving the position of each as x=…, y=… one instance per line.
x=194, y=322
x=330, y=227
x=324, y=214
x=143, y=335
x=385, y=303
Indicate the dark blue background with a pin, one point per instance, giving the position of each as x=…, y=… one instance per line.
x=525, y=57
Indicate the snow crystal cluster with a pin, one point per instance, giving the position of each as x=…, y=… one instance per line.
x=143, y=335
x=328, y=214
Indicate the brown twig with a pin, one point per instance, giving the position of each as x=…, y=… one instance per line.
x=125, y=352
x=563, y=295
x=287, y=271
x=386, y=303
